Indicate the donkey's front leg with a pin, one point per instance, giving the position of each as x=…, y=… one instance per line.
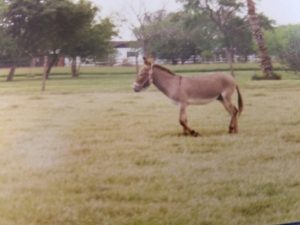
x=183, y=122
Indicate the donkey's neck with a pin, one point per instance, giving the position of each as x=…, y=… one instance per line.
x=167, y=83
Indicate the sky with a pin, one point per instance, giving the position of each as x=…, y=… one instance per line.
x=124, y=12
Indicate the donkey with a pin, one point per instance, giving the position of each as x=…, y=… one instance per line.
x=191, y=91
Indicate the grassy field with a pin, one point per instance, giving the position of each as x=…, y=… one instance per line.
x=89, y=151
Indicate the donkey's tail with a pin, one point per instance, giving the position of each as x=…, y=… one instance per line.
x=240, y=100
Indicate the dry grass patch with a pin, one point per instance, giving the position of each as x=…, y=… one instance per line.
x=119, y=158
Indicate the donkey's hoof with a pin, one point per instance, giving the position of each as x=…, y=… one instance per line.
x=232, y=131
x=195, y=133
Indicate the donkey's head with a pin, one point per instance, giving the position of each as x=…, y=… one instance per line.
x=143, y=79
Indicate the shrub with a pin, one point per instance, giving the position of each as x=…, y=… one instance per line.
x=291, y=53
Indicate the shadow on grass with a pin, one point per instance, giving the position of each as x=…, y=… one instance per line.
x=203, y=134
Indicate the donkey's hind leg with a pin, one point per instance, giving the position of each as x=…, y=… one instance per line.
x=183, y=122
x=233, y=111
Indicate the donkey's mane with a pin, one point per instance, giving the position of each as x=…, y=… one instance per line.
x=164, y=69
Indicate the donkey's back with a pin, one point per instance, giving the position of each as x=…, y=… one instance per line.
x=203, y=89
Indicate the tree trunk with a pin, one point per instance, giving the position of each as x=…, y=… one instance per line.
x=32, y=66
x=51, y=64
x=229, y=57
x=74, y=68
x=257, y=33
x=11, y=73
x=174, y=61
x=146, y=50
x=214, y=58
x=45, y=73
x=33, y=62
x=137, y=63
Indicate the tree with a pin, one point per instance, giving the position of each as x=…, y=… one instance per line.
x=93, y=41
x=223, y=13
x=241, y=36
x=50, y=27
x=291, y=53
x=9, y=53
x=197, y=33
x=42, y=27
x=173, y=36
x=68, y=21
x=169, y=39
x=242, y=40
x=266, y=63
x=22, y=20
x=277, y=39
x=147, y=30
x=31, y=25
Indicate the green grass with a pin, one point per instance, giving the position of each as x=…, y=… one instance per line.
x=89, y=151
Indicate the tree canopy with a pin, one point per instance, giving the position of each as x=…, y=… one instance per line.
x=291, y=54
x=201, y=28
x=52, y=27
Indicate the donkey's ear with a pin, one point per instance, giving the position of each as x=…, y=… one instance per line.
x=147, y=62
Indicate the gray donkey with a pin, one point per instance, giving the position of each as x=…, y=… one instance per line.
x=191, y=91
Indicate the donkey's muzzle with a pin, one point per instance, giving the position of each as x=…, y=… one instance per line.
x=136, y=87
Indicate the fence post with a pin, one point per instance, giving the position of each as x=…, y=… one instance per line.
x=45, y=73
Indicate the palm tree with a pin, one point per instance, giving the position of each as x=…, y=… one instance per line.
x=257, y=33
